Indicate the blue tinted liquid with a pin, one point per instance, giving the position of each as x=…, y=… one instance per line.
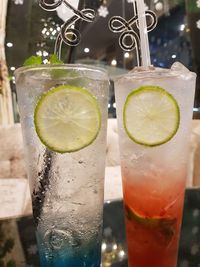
x=82, y=256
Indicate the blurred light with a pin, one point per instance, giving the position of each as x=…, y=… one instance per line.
x=195, y=109
x=103, y=246
x=114, y=105
x=159, y=6
x=109, y=105
x=161, y=64
x=9, y=44
x=45, y=53
x=158, y=41
x=44, y=30
x=39, y=53
x=45, y=61
x=115, y=246
x=173, y=56
x=126, y=55
x=12, y=68
x=108, y=201
x=86, y=50
x=182, y=27
x=58, y=29
x=114, y=62
x=121, y=254
x=13, y=79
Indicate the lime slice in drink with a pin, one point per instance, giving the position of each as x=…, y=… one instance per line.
x=164, y=227
x=67, y=118
x=151, y=116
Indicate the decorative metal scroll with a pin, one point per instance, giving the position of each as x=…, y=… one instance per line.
x=129, y=38
x=68, y=34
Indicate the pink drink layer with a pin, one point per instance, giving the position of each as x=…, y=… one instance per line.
x=153, y=220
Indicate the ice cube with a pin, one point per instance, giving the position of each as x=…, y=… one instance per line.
x=142, y=69
x=177, y=66
x=58, y=238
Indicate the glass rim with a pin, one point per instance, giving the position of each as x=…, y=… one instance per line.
x=93, y=68
x=156, y=73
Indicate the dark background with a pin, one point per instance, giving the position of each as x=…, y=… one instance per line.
x=32, y=31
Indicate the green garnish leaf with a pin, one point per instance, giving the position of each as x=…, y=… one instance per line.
x=33, y=60
x=55, y=60
x=37, y=60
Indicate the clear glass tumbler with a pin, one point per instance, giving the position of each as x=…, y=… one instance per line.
x=59, y=104
x=154, y=175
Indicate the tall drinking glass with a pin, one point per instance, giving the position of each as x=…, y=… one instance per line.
x=154, y=110
x=63, y=111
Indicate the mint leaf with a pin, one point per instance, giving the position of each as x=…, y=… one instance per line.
x=37, y=60
x=55, y=60
x=33, y=60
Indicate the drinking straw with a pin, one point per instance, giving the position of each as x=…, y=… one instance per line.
x=144, y=40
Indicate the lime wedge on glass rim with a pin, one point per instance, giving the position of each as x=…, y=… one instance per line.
x=67, y=118
x=151, y=116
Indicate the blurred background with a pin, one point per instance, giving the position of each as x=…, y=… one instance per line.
x=32, y=31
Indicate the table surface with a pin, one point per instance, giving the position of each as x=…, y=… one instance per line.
x=18, y=238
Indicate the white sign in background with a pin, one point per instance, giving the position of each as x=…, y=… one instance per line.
x=12, y=197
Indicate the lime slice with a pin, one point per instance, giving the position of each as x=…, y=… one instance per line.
x=165, y=227
x=151, y=116
x=67, y=118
